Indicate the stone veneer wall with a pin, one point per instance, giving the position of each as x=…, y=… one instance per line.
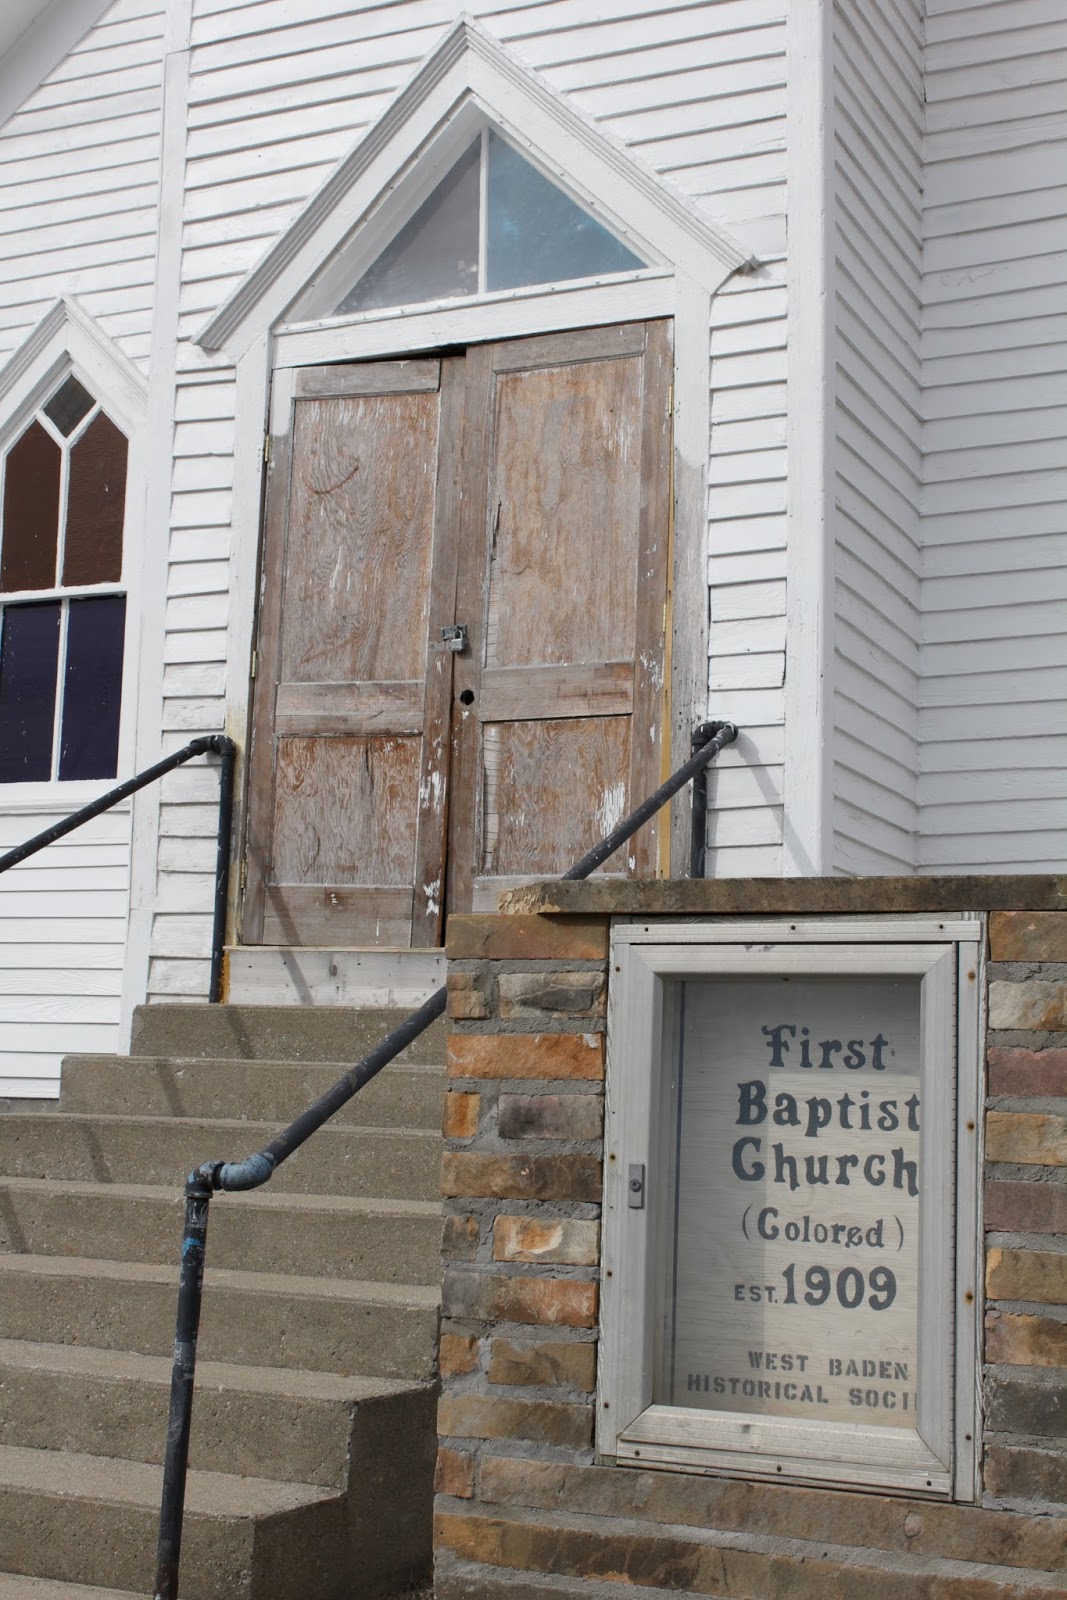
x=523, y=1509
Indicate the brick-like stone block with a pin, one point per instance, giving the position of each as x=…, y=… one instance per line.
x=559, y=994
x=1028, y=1137
x=520, y=1177
x=1026, y=1275
x=550, y=1116
x=459, y=1354
x=1027, y=1072
x=460, y=1239
x=469, y=998
x=527, y=938
x=549, y=1364
x=1016, y=1207
x=454, y=1473
x=468, y=1296
x=1025, y=1341
x=560, y=1301
x=827, y=1516
x=1036, y=1003
x=1031, y=1403
x=1028, y=936
x=670, y=1560
x=1026, y=1474
x=477, y=1416
x=565, y=1241
x=531, y=1055
x=461, y=1115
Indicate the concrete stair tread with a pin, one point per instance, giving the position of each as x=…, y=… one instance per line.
x=288, y=1382
x=419, y=1069
x=15, y=1586
x=64, y=1474
x=415, y=1296
x=348, y=1205
x=248, y=1130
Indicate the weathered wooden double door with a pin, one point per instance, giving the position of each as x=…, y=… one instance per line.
x=520, y=492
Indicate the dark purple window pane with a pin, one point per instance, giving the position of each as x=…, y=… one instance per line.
x=70, y=403
x=28, y=654
x=96, y=505
x=31, y=512
x=92, y=688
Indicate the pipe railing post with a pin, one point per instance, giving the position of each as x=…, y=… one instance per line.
x=698, y=843
x=198, y=1189
x=227, y=752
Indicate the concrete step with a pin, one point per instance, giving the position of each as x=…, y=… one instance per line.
x=385, y=1163
x=15, y=1587
x=279, y=1424
x=395, y=1241
x=89, y=1519
x=263, y=1319
x=276, y=1033
x=155, y=1086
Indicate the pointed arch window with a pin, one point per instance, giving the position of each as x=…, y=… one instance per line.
x=62, y=605
x=493, y=222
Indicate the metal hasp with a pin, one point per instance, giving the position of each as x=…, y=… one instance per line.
x=455, y=637
x=260, y=1168
x=208, y=744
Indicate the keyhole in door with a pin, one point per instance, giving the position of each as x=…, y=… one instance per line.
x=466, y=697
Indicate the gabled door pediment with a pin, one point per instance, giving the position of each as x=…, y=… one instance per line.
x=468, y=81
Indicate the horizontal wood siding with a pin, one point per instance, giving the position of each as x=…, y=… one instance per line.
x=994, y=504
x=79, y=183
x=62, y=945
x=877, y=175
x=279, y=91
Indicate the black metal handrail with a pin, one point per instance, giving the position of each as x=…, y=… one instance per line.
x=209, y=744
x=708, y=739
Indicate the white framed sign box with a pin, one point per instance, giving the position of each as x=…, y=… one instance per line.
x=790, y=1262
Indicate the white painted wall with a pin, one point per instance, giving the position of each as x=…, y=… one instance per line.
x=993, y=696
x=79, y=181
x=877, y=176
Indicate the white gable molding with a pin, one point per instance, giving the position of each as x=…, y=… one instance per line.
x=470, y=72
x=34, y=38
x=67, y=338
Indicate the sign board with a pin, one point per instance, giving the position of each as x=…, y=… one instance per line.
x=792, y=1286
x=790, y=1231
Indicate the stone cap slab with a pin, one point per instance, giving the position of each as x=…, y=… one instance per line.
x=739, y=897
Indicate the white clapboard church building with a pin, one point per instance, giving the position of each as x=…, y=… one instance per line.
x=454, y=407
x=808, y=258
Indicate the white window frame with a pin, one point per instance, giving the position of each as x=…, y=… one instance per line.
x=939, y=1458
x=68, y=342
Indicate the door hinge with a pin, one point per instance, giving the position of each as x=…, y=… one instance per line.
x=266, y=449
x=242, y=876
x=670, y=400
x=255, y=665
x=635, y=1186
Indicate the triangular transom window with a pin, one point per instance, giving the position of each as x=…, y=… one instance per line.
x=493, y=222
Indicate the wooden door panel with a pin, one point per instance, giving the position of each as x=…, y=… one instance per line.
x=570, y=469
x=513, y=693
x=344, y=691
x=357, y=579
x=344, y=810
x=564, y=498
x=350, y=708
x=551, y=790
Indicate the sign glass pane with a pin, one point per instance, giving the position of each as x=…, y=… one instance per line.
x=790, y=1286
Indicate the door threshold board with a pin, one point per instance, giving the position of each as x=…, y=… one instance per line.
x=283, y=975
